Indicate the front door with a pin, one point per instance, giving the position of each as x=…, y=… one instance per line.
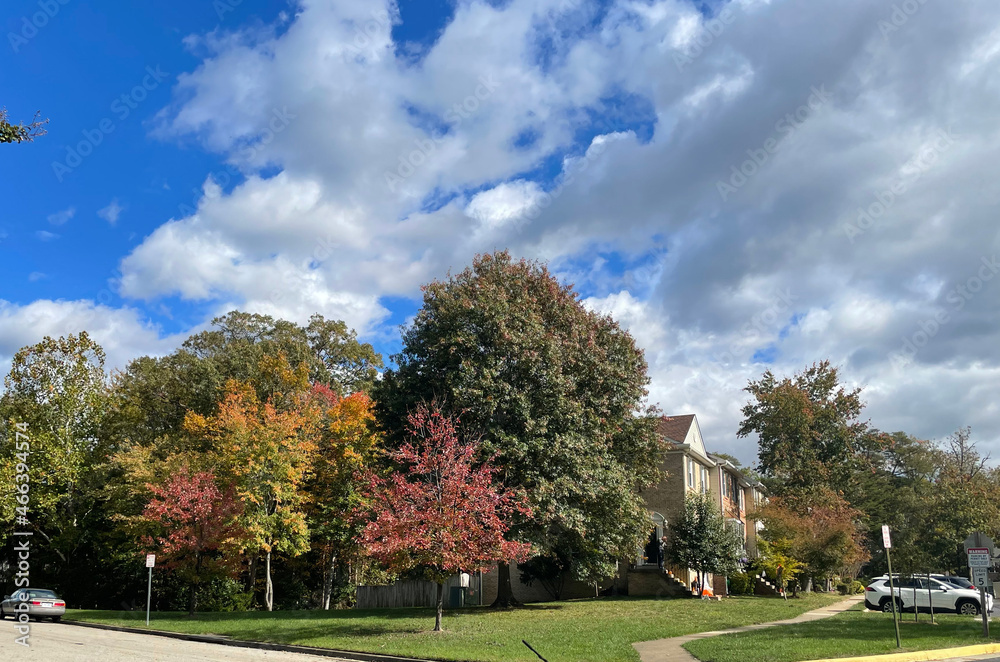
x=652, y=551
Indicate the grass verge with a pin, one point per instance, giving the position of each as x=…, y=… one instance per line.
x=596, y=630
x=852, y=633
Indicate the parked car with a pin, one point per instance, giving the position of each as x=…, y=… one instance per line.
x=912, y=593
x=42, y=603
x=960, y=582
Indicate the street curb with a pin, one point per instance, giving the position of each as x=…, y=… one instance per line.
x=262, y=645
x=922, y=656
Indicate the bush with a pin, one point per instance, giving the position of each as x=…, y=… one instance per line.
x=740, y=584
x=853, y=587
x=223, y=594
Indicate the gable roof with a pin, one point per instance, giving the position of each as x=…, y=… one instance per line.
x=684, y=431
x=675, y=428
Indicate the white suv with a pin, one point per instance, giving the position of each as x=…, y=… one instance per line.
x=909, y=591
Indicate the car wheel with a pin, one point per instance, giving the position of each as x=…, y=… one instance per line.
x=56, y=619
x=887, y=606
x=967, y=607
x=3, y=616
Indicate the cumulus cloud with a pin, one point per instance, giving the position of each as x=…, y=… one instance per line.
x=800, y=184
x=122, y=332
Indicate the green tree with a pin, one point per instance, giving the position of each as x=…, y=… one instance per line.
x=900, y=492
x=57, y=389
x=809, y=432
x=21, y=132
x=549, y=386
x=701, y=541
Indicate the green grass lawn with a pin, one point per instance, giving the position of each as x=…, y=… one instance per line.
x=855, y=632
x=572, y=631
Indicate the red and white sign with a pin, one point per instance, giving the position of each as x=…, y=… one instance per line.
x=150, y=560
x=979, y=557
x=886, y=540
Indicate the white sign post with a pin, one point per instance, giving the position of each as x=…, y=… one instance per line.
x=150, y=562
x=980, y=559
x=887, y=543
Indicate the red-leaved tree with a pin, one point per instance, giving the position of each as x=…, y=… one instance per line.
x=440, y=511
x=198, y=531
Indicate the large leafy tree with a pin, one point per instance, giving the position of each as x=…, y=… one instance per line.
x=441, y=511
x=555, y=390
x=195, y=529
x=820, y=530
x=57, y=390
x=153, y=395
x=347, y=443
x=809, y=431
x=266, y=450
x=700, y=539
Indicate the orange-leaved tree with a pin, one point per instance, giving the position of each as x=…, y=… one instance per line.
x=346, y=445
x=266, y=449
x=441, y=510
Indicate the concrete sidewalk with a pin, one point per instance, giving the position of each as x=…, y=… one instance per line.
x=670, y=650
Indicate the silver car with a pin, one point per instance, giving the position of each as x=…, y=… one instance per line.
x=37, y=602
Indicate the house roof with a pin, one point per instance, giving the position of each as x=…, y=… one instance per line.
x=675, y=428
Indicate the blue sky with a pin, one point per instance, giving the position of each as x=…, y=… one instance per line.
x=332, y=155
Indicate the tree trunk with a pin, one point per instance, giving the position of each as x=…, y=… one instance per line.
x=328, y=582
x=505, y=592
x=193, y=595
x=269, y=590
x=252, y=574
x=437, y=620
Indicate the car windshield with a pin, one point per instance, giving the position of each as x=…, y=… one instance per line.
x=40, y=593
x=961, y=582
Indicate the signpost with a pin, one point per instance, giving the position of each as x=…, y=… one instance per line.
x=150, y=562
x=887, y=543
x=981, y=551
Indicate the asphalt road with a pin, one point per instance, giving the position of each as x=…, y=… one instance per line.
x=58, y=642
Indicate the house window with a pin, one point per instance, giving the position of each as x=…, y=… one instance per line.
x=690, y=463
x=704, y=480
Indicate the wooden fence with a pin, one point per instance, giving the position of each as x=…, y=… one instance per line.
x=404, y=594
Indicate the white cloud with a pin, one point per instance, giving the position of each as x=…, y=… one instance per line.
x=120, y=331
x=770, y=271
x=61, y=217
x=111, y=212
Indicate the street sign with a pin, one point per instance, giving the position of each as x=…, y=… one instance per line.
x=886, y=540
x=979, y=557
x=979, y=540
x=150, y=560
x=980, y=577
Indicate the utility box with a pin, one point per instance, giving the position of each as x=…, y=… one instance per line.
x=456, y=598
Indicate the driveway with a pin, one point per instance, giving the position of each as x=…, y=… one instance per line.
x=58, y=642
